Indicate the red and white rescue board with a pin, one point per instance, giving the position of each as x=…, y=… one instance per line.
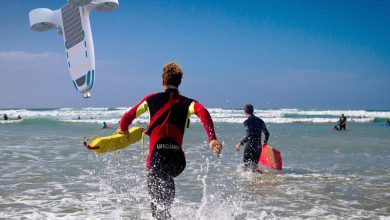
x=270, y=157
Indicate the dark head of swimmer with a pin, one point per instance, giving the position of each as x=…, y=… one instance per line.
x=248, y=109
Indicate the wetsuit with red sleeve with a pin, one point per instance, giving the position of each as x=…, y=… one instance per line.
x=169, y=113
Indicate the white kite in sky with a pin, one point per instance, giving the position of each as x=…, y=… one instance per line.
x=72, y=22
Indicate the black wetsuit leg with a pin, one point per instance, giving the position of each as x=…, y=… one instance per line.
x=167, y=161
x=251, y=157
x=342, y=127
x=162, y=192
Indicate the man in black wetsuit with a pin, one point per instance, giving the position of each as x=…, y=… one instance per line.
x=342, y=122
x=5, y=117
x=254, y=126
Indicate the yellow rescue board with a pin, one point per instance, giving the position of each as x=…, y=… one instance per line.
x=114, y=142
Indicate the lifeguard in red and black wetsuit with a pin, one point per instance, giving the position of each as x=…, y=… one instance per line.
x=169, y=113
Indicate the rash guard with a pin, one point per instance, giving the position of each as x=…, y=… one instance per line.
x=171, y=123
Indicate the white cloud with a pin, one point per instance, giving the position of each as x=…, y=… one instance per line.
x=42, y=79
x=24, y=56
x=30, y=65
x=28, y=78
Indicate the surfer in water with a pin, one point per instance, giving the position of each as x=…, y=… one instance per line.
x=5, y=117
x=105, y=125
x=387, y=122
x=169, y=113
x=254, y=126
x=342, y=122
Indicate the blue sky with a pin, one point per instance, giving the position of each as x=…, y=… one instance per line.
x=273, y=54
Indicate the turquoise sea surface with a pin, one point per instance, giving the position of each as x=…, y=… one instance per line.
x=46, y=173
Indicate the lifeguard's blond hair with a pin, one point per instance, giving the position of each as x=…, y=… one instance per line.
x=172, y=74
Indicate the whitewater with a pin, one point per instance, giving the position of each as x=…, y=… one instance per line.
x=46, y=173
x=113, y=115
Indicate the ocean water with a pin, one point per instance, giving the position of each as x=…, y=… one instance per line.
x=45, y=172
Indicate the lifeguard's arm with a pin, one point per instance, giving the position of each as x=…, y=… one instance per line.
x=204, y=116
x=134, y=112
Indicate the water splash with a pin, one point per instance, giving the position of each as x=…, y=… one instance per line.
x=204, y=195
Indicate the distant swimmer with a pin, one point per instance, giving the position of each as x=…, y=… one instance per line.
x=254, y=127
x=168, y=112
x=19, y=117
x=105, y=125
x=342, y=122
x=5, y=117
